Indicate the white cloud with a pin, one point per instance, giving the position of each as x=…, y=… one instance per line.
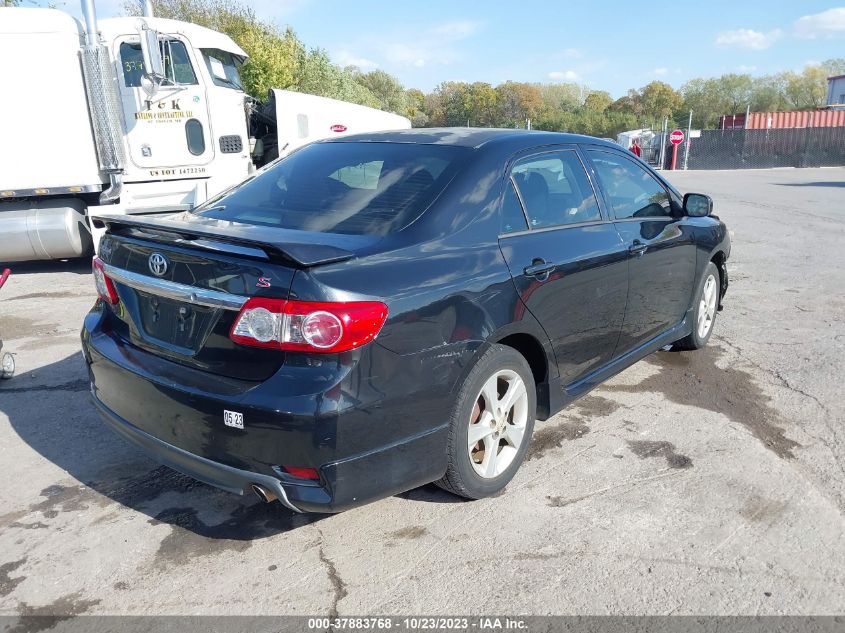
x=747, y=38
x=565, y=75
x=456, y=30
x=660, y=71
x=572, y=53
x=830, y=23
x=415, y=56
x=345, y=58
x=742, y=68
x=433, y=46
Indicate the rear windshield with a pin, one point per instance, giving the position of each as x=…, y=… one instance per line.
x=351, y=188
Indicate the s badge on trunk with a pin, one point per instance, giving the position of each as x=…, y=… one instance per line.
x=157, y=264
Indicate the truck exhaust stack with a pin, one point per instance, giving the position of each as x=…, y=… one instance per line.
x=142, y=116
x=104, y=104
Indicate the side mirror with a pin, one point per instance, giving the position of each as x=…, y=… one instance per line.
x=697, y=205
x=151, y=51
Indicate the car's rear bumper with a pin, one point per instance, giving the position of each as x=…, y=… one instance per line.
x=211, y=472
x=364, y=445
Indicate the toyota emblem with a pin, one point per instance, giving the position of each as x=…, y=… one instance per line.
x=158, y=264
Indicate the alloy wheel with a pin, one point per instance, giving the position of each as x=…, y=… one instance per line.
x=497, y=423
x=707, y=306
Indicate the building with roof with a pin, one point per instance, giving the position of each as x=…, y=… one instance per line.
x=836, y=92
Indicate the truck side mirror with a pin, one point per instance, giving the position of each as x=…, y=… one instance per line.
x=151, y=51
x=697, y=205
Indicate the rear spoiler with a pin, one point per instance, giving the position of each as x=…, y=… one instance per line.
x=276, y=243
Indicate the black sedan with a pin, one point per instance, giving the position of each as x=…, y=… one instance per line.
x=376, y=312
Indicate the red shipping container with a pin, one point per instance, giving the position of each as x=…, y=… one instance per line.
x=783, y=120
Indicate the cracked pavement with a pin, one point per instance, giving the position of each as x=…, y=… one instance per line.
x=709, y=482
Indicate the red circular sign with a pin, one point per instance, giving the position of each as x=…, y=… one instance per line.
x=338, y=127
x=676, y=137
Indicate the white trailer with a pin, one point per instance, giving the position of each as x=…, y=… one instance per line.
x=133, y=115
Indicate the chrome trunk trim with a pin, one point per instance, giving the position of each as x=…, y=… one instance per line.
x=179, y=292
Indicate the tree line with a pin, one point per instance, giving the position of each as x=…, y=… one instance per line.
x=278, y=59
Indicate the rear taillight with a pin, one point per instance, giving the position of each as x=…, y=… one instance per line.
x=308, y=326
x=105, y=286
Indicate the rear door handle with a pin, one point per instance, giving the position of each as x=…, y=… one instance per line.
x=539, y=268
x=637, y=248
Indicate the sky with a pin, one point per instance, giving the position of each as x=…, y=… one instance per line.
x=608, y=45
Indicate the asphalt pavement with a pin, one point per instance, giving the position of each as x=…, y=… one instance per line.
x=708, y=482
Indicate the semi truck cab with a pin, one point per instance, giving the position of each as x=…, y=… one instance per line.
x=133, y=115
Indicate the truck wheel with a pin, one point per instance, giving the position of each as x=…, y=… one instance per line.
x=706, y=304
x=491, y=425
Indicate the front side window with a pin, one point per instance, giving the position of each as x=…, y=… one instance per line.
x=555, y=190
x=350, y=188
x=632, y=191
x=132, y=62
x=224, y=68
x=177, y=64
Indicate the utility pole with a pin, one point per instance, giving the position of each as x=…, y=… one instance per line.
x=689, y=140
x=664, y=130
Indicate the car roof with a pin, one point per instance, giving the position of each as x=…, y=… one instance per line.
x=470, y=137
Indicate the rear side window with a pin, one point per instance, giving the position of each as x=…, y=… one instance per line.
x=351, y=188
x=513, y=219
x=555, y=190
x=632, y=191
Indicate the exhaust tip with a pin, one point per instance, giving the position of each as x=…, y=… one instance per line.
x=266, y=495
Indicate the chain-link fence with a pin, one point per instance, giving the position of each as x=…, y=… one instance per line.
x=758, y=149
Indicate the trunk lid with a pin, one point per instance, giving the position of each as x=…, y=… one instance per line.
x=181, y=285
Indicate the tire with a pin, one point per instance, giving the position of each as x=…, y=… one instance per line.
x=473, y=471
x=706, y=309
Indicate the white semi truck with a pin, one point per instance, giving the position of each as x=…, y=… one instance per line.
x=133, y=115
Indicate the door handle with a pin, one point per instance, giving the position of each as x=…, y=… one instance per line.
x=539, y=268
x=637, y=248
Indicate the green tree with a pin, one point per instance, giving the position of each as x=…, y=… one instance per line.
x=388, y=92
x=598, y=101
x=767, y=93
x=657, y=100
x=565, y=96
x=317, y=75
x=833, y=67
x=482, y=105
x=735, y=92
x=416, y=110
x=274, y=55
x=704, y=98
x=623, y=104
x=517, y=102
x=277, y=58
x=807, y=90
x=450, y=104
